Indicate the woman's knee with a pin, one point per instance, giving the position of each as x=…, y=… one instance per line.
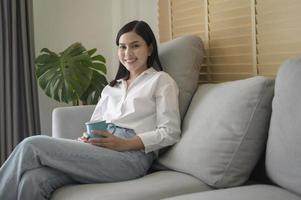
x=36, y=139
x=31, y=146
x=32, y=141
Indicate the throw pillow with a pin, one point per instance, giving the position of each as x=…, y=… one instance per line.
x=224, y=132
x=182, y=58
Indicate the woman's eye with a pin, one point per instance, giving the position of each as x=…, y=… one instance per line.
x=122, y=47
x=136, y=45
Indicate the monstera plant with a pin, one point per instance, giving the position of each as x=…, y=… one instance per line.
x=74, y=75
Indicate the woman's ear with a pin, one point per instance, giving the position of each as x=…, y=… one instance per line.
x=150, y=48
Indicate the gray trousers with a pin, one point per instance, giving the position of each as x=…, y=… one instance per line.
x=41, y=164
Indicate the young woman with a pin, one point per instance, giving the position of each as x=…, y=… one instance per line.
x=141, y=102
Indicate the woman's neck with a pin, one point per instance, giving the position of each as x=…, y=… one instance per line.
x=134, y=75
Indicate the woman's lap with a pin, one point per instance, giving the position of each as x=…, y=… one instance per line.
x=88, y=163
x=41, y=158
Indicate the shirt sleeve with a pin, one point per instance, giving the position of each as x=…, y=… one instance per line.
x=168, y=129
x=100, y=107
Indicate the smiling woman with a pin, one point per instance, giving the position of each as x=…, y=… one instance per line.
x=145, y=117
x=138, y=37
x=58, y=24
x=133, y=53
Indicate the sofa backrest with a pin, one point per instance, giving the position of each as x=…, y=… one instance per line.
x=283, y=153
x=182, y=58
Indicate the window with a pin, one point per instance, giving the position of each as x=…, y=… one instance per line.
x=242, y=38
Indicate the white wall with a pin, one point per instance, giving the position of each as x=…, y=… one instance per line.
x=94, y=23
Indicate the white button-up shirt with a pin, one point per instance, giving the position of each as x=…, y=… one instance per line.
x=149, y=106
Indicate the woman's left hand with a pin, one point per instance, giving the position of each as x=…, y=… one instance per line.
x=108, y=140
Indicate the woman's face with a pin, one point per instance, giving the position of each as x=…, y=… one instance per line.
x=133, y=52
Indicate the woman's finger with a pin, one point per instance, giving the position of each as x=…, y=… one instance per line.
x=82, y=139
x=102, y=133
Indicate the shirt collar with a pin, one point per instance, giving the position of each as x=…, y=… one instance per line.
x=150, y=70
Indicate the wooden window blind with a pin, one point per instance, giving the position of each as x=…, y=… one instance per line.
x=278, y=33
x=242, y=38
x=188, y=17
x=230, y=39
x=185, y=18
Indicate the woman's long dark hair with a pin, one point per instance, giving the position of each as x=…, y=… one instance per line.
x=143, y=30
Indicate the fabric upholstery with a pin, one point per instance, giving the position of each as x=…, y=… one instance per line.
x=283, y=155
x=224, y=132
x=69, y=122
x=151, y=187
x=260, y=192
x=181, y=58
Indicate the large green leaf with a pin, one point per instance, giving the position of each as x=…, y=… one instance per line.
x=68, y=75
x=72, y=50
x=99, y=67
x=99, y=58
x=92, y=51
x=92, y=94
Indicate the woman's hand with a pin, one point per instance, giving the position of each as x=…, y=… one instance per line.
x=83, y=138
x=110, y=141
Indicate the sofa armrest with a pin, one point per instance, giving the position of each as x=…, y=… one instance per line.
x=69, y=122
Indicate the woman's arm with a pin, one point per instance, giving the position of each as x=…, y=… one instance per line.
x=168, y=122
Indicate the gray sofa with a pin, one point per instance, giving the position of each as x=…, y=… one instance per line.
x=240, y=139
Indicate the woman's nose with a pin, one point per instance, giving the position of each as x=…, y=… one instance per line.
x=128, y=51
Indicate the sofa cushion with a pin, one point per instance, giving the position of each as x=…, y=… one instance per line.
x=182, y=59
x=224, y=132
x=154, y=186
x=266, y=192
x=283, y=154
x=66, y=125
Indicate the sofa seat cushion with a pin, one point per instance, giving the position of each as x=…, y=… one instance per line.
x=224, y=132
x=260, y=192
x=283, y=154
x=154, y=186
